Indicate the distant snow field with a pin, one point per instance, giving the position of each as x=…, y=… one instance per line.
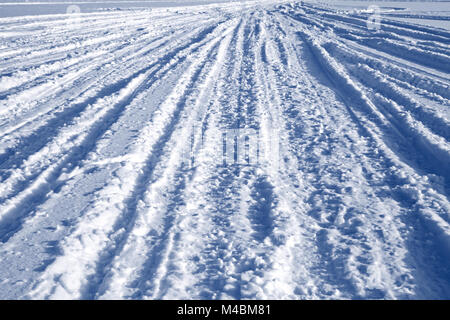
x=10, y=8
x=230, y=150
x=429, y=13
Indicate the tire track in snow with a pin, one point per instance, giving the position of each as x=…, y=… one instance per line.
x=363, y=272
x=164, y=184
x=56, y=42
x=26, y=75
x=401, y=192
x=196, y=208
x=176, y=273
x=232, y=265
x=57, y=117
x=81, y=80
x=431, y=155
x=225, y=188
x=359, y=23
x=400, y=78
x=345, y=215
x=292, y=229
x=93, y=224
x=178, y=262
x=79, y=145
x=60, y=119
x=425, y=60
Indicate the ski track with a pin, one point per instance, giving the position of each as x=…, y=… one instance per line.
x=115, y=182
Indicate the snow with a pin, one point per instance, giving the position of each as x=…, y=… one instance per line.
x=428, y=13
x=228, y=150
x=26, y=8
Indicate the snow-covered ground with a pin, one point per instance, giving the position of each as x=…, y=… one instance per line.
x=236, y=150
x=10, y=8
x=428, y=13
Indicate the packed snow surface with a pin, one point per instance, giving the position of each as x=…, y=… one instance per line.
x=236, y=150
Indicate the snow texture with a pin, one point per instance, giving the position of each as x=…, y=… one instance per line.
x=247, y=150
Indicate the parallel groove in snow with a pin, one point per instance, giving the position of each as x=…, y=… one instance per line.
x=102, y=197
